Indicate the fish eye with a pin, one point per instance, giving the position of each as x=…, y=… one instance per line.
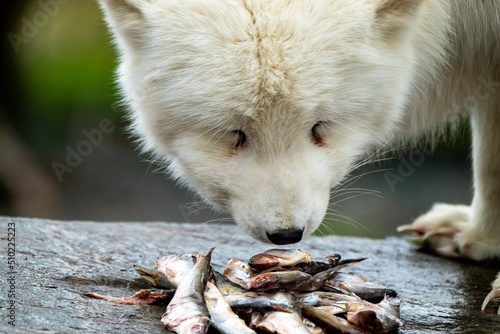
x=240, y=140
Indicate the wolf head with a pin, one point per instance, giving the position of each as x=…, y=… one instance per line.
x=263, y=106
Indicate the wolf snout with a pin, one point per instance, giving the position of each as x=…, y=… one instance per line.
x=286, y=237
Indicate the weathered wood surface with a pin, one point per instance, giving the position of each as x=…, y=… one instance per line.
x=58, y=261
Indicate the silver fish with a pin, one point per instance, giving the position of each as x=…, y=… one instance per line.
x=337, y=308
x=322, y=298
x=376, y=318
x=357, y=284
x=293, y=279
x=277, y=280
x=391, y=306
x=318, y=264
x=311, y=299
x=279, y=258
x=318, y=281
x=154, y=277
x=331, y=323
x=225, y=285
x=312, y=327
x=322, y=264
x=205, y=297
x=277, y=322
x=142, y=297
x=174, y=267
x=221, y=315
x=187, y=312
x=238, y=272
x=256, y=300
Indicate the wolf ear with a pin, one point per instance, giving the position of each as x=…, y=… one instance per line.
x=394, y=16
x=126, y=20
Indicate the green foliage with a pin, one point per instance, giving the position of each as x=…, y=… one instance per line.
x=66, y=69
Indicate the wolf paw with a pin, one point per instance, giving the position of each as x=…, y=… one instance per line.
x=494, y=294
x=449, y=230
x=453, y=231
x=440, y=229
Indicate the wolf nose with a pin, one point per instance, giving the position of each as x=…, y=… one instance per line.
x=287, y=237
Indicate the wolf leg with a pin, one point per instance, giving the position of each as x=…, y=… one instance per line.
x=473, y=231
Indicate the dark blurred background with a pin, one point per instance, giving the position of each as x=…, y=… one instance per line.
x=65, y=153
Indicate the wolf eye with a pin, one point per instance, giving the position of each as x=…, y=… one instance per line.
x=318, y=134
x=240, y=140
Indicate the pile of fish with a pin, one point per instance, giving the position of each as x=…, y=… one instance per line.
x=278, y=291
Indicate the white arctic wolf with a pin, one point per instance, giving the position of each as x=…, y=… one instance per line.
x=262, y=106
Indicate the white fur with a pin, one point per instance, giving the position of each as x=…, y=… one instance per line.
x=193, y=71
